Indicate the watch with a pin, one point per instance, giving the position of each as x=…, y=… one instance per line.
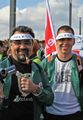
x=39, y=90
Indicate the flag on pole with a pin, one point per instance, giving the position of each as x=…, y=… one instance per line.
x=49, y=32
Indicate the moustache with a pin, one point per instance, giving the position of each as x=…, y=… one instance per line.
x=25, y=50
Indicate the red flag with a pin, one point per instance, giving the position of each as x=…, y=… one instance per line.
x=49, y=32
x=76, y=51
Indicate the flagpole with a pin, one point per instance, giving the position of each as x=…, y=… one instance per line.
x=70, y=12
x=48, y=6
x=79, y=25
x=12, y=15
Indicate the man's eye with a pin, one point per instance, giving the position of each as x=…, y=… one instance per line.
x=61, y=40
x=17, y=42
x=27, y=42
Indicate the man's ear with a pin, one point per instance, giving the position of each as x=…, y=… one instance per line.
x=10, y=43
x=73, y=41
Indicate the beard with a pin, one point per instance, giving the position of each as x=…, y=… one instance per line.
x=22, y=55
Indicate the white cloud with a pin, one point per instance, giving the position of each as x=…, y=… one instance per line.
x=4, y=22
x=35, y=16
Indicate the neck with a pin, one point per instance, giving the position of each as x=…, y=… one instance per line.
x=64, y=57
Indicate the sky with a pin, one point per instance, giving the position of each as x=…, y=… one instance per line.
x=32, y=14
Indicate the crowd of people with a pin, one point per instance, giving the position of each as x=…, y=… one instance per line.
x=38, y=49
x=38, y=87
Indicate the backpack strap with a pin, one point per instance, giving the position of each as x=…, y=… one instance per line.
x=79, y=63
x=80, y=68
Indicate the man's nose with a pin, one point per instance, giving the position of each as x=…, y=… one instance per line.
x=22, y=45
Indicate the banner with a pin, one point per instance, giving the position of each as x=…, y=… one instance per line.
x=78, y=46
x=49, y=33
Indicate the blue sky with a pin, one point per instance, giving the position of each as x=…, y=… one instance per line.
x=32, y=13
x=4, y=3
x=20, y=3
x=81, y=1
x=26, y=3
x=23, y=3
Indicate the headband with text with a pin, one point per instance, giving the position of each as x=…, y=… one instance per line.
x=64, y=35
x=21, y=37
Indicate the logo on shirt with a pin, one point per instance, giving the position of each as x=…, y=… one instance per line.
x=18, y=99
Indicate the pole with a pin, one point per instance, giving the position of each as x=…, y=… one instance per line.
x=70, y=12
x=79, y=25
x=12, y=15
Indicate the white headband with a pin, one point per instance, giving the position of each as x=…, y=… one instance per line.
x=21, y=37
x=64, y=35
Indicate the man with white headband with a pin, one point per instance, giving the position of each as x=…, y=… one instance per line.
x=26, y=91
x=64, y=77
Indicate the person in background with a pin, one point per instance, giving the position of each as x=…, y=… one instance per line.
x=65, y=76
x=41, y=50
x=2, y=55
x=27, y=91
x=34, y=56
x=5, y=46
